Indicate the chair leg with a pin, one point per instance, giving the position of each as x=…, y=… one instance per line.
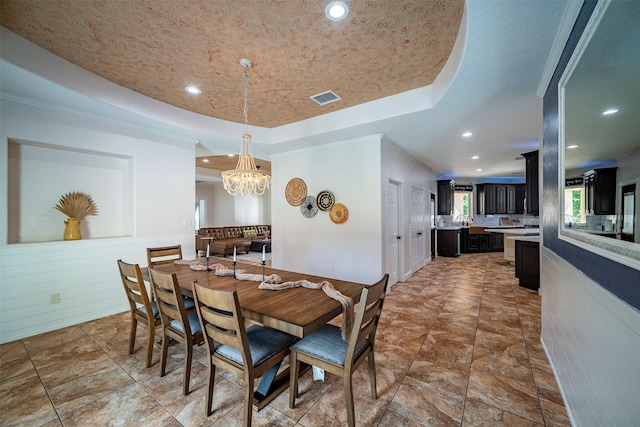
x=187, y=366
x=248, y=399
x=294, y=369
x=132, y=333
x=348, y=397
x=372, y=375
x=152, y=336
x=163, y=355
x=211, y=372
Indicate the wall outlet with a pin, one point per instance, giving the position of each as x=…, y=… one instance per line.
x=55, y=298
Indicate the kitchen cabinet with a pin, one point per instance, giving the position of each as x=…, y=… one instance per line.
x=527, y=255
x=449, y=242
x=600, y=191
x=502, y=199
x=475, y=239
x=445, y=196
x=531, y=189
x=490, y=199
x=480, y=199
x=497, y=242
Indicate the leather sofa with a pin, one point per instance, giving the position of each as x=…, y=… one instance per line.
x=224, y=239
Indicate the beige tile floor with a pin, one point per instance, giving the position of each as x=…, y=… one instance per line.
x=458, y=344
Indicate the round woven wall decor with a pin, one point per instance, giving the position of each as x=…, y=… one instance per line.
x=339, y=213
x=325, y=200
x=295, y=192
x=308, y=207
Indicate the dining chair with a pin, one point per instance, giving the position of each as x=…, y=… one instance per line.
x=249, y=352
x=143, y=307
x=326, y=349
x=167, y=255
x=177, y=323
x=163, y=255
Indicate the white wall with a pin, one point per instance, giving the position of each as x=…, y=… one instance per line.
x=357, y=172
x=84, y=272
x=349, y=251
x=592, y=339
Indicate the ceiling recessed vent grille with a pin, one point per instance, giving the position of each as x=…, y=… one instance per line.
x=325, y=98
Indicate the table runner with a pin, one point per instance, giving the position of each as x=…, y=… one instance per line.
x=273, y=282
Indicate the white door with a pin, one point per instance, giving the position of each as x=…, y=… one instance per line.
x=393, y=236
x=418, y=218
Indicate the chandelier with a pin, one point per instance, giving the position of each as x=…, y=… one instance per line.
x=246, y=178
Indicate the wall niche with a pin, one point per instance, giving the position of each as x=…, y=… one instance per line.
x=39, y=173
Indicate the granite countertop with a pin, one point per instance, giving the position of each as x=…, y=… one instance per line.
x=525, y=238
x=520, y=231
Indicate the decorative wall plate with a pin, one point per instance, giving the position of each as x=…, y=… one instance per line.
x=325, y=200
x=308, y=207
x=295, y=192
x=339, y=213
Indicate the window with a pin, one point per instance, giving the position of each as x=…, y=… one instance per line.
x=461, y=205
x=574, y=205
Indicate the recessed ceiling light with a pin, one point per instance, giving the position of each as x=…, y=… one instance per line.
x=193, y=89
x=478, y=170
x=572, y=146
x=609, y=111
x=205, y=160
x=230, y=155
x=467, y=134
x=336, y=10
x=475, y=157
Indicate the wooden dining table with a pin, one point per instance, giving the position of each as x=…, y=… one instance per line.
x=296, y=311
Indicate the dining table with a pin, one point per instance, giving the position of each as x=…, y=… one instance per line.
x=297, y=311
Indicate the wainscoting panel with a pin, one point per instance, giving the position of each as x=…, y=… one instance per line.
x=592, y=339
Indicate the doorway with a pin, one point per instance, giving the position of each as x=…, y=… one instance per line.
x=432, y=221
x=393, y=236
x=418, y=223
x=627, y=231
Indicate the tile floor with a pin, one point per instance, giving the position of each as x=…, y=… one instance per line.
x=458, y=345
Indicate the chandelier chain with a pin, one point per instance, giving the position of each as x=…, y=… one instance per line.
x=246, y=98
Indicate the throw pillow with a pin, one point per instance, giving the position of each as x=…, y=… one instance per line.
x=249, y=233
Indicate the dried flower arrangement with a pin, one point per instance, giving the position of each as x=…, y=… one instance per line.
x=77, y=205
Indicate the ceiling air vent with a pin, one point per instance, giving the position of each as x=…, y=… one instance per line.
x=325, y=98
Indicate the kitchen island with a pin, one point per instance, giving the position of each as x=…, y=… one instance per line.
x=509, y=244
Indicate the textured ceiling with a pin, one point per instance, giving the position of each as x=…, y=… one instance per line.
x=488, y=84
x=156, y=48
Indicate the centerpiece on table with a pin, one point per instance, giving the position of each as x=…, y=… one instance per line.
x=75, y=206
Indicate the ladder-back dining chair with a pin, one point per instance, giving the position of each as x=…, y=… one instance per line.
x=249, y=352
x=177, y=323
x=143, y=307
x=163, y=255
x=326, y=349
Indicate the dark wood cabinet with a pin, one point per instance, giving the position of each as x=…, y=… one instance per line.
x=445, y=196
x=531, y=191
x=481, y=242
x=449, y=243
x=527, y=256
x=497, y=242
x=480, y=199
x=490, y=199
x=502, y=199
x=600, y=191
